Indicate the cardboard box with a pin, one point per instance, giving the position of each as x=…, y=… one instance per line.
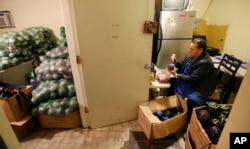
x=198, y=135
x=18, y=74
x=23, y=126
x=71, y=120
x=188, y=140
x=16, y=109
x=155, y=128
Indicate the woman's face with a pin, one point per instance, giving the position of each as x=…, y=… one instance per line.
x=194, y=51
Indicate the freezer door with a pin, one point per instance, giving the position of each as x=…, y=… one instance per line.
x=179, y=47
x=176, y=24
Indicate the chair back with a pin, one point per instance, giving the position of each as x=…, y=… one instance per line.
x=229, y=66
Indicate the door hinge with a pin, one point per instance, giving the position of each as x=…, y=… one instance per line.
x=78, y=59
x=86, y=109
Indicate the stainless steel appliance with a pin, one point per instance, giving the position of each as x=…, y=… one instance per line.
x=174, y=4
x=174, y=36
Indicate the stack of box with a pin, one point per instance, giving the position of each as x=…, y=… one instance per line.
x=17, y=112
x=152, y=126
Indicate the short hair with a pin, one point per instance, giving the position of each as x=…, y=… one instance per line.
x=201, y=43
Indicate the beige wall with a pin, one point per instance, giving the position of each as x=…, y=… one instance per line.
x=233, y=14
x=238, y=120
x=7, y=133
x=201, y=7
x=229, y=13
x=28, y=13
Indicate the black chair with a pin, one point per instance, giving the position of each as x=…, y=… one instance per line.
x=225, y=75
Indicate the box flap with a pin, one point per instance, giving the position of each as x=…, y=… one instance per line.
x=22, y=121
x=161, y=104
x=149, y=115
x=145, y=119
x=183, y=104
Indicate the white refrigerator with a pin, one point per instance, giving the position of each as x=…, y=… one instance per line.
x=174, y=35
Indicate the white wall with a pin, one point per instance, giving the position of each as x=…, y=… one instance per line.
x=28, y=13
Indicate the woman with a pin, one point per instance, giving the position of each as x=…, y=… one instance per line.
x=195, y=75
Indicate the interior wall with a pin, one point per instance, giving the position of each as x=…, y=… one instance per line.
x=215, y=34
x=238, y=120
x=7, y=133
x=29, y=13
x=233, y=14
x=201, y=7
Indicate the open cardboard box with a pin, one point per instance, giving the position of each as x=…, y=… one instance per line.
x=155, y=128
x=15, y=109
x=197, y=133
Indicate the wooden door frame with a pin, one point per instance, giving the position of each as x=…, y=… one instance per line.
x=74, y=51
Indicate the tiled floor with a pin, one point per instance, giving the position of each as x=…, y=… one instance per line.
x=119, y=136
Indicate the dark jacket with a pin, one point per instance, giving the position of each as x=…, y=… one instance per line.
x=201, y=74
